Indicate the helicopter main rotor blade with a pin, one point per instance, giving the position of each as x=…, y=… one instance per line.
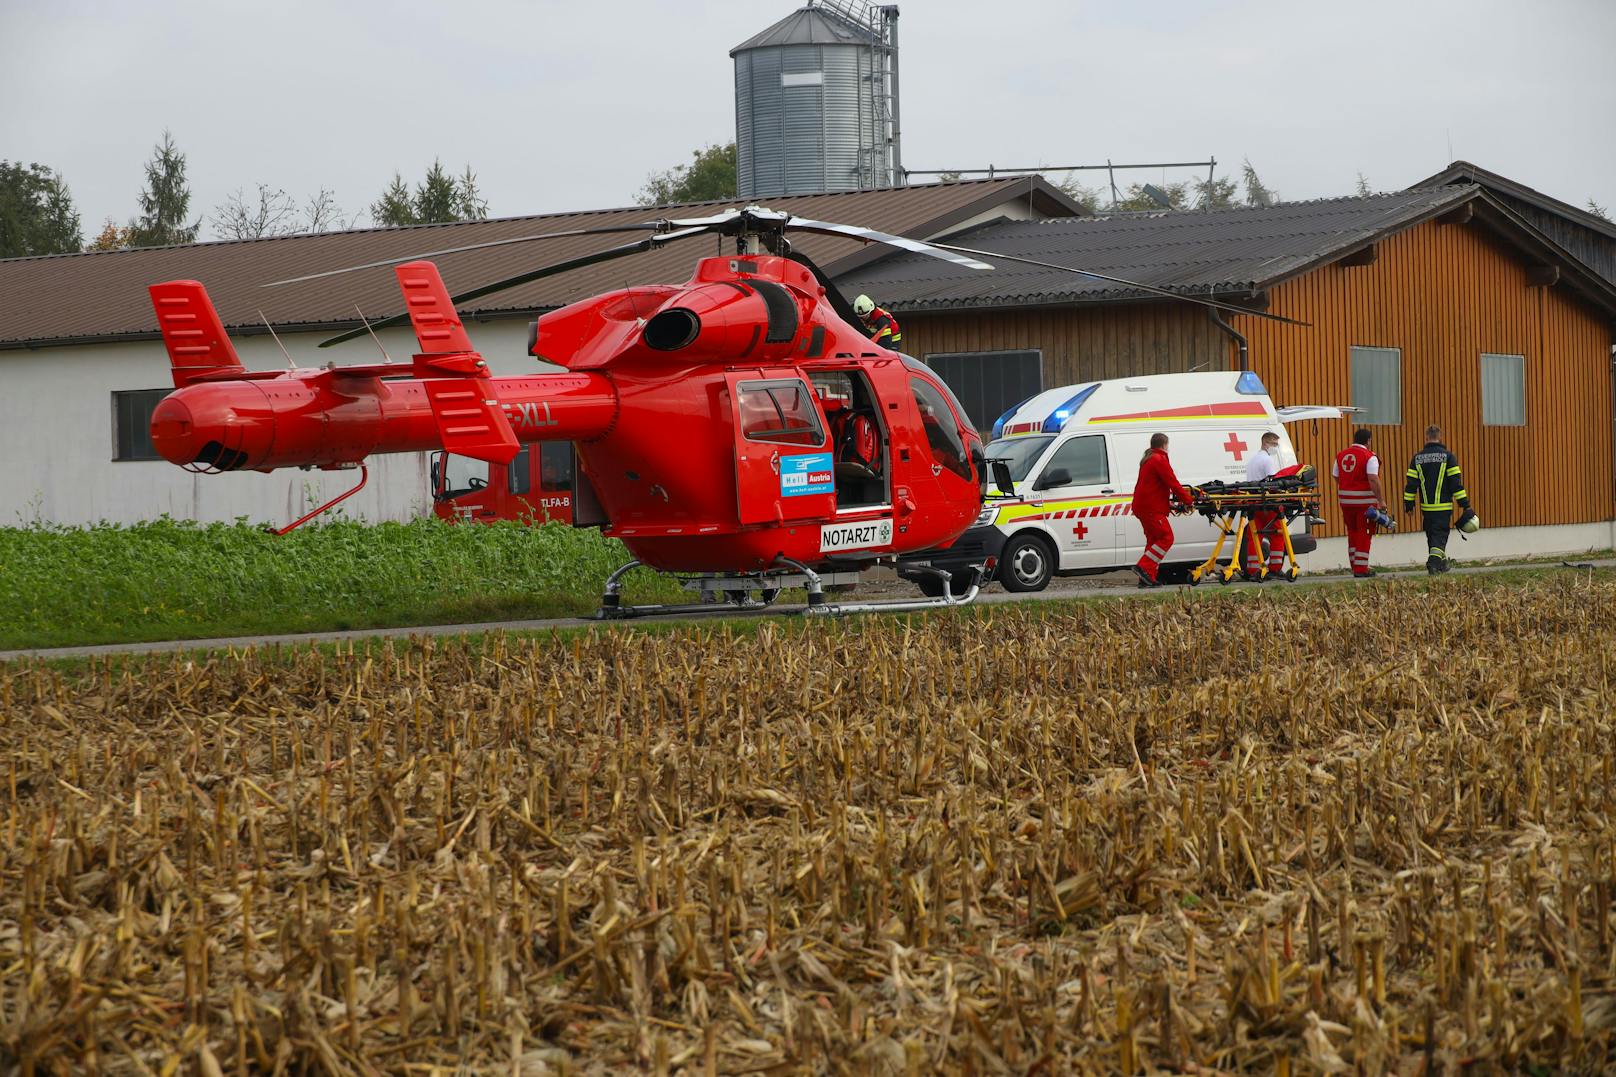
x=639, y=226
x=637, y=247
x=870, y=235
x=1152, y=289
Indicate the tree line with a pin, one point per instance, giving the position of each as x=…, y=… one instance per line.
x=37, y=214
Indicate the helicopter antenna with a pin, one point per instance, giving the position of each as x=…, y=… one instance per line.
x=289, y=364
x=385, y=357
x=632, y=303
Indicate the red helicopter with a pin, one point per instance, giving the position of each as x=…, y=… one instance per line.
x=736, y=430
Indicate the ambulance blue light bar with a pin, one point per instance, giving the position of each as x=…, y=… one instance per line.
x=998, y=424
x=1058, y=418
x=1250, y=384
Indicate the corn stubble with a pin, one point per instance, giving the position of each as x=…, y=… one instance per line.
x=1022, y=842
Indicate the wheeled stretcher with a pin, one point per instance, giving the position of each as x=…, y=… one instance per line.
x=1233, y=507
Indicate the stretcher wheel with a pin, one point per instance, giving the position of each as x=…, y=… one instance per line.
x=1290, y=575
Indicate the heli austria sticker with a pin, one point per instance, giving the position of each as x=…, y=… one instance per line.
x=807, y=473
x=834, y=538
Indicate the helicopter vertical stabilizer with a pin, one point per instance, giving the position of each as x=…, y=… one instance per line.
x=192, y=333
x=437, y=325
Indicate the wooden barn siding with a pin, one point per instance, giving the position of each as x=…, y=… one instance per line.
x=1444, y=294
x=1079, y=343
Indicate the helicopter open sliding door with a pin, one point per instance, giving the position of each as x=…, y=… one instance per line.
x=784, y=469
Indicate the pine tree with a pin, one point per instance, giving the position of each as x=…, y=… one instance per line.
x=1362, y=189
x=395, y=206
x=437, y=199
x=472, y=206
x=1256, y=193
x=165, y=201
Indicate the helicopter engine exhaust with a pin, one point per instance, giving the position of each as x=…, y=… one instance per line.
x=672, y=329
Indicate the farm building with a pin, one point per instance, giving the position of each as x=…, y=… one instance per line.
x=82, y=365
x=1438, y=304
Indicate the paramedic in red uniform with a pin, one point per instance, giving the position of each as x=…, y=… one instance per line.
x=1263, y=465
x=1153, y=496
x=1357, y=476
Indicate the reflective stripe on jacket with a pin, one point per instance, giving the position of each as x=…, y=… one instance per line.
x=883, y=328
x=1434, y=479
x=1351, y=471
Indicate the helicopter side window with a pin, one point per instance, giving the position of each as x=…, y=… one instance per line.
x=942, y=429
x=780, y=413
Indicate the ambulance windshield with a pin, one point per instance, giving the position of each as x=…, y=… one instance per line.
x=1020, y=453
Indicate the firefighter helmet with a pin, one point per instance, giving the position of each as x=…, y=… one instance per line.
x=1469, y=522
x=863, y=305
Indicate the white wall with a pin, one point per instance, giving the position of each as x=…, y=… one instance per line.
x=1407, y=546
x=56, y=437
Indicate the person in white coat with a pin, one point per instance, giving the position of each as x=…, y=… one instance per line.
x=1261, y=465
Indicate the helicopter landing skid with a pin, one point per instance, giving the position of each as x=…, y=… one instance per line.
x=728, y=594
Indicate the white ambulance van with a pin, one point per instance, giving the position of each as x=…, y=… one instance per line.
x=1074, y=454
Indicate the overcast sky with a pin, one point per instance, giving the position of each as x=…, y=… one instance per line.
x=561, y=106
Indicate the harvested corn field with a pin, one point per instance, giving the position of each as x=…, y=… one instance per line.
x=1029, y=839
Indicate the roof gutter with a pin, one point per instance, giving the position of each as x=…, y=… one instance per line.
x=1240, y=341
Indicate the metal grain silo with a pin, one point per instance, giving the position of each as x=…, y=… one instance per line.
x=816, y=102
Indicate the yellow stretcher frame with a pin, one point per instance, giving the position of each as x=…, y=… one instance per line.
x=1234, y=520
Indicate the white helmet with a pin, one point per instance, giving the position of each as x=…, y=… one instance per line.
x=863, y=305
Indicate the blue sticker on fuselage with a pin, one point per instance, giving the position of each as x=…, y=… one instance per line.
x=809, y=473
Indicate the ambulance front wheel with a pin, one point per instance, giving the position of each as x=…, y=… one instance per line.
x=1027, y=563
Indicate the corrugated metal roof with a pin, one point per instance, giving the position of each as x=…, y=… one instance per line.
x=66, y=298
x=1463, y=172
x=1227, y=252
x=808, y=26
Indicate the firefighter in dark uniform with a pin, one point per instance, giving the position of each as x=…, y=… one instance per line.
x=1434, y=479
x=879, y=323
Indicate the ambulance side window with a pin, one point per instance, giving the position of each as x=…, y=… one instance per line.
x=1079, y=462
x=779, y=412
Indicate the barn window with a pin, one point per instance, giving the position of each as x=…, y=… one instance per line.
x=131, y=423
x=1503, y=390
x=1377, y=385
x=989, y=384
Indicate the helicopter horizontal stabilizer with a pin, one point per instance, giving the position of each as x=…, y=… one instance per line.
x=470, y=420
x=192, y=333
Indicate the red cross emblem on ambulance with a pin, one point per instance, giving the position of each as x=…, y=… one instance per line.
x=1235, y=447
